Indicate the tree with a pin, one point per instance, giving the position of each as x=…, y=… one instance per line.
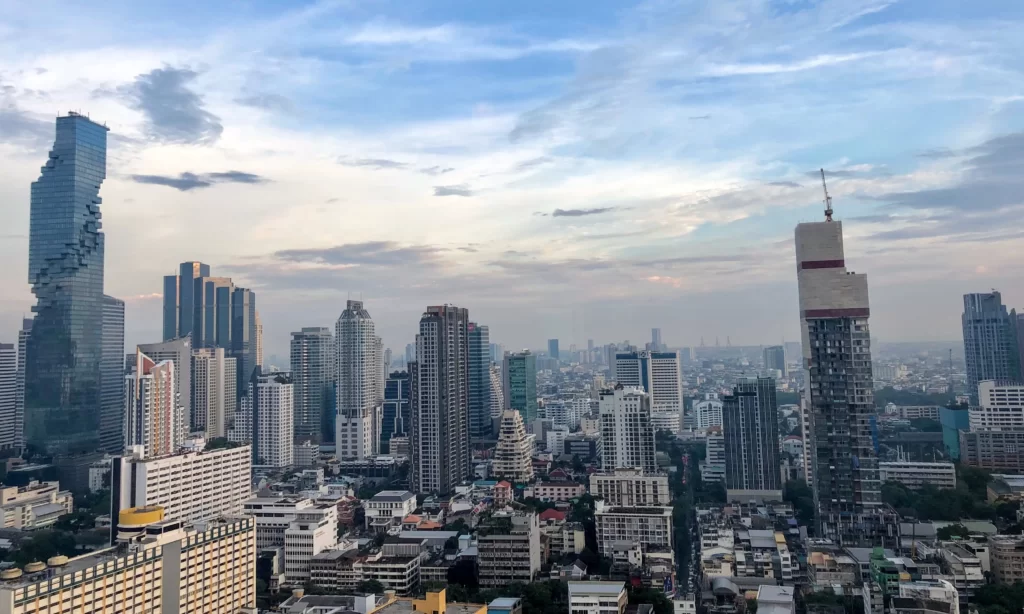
x=926, y=425
x=952, y=531
x=655, y=597
x=751, y=606
x=370, y=586
x=799, y=494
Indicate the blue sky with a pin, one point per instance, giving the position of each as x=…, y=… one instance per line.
x=571, y=169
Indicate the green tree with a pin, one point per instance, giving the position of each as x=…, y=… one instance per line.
x=799, y=494
x=952, y=531
x=655, y=597
x=370, y=586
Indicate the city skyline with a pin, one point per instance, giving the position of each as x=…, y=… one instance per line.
x=687, y=154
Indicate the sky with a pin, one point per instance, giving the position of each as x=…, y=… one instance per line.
x=573, y=169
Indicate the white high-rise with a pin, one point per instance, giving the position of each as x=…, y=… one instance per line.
x=178, y=351
x=213, y=391
x=627, y=432
x=709, y=413
x=1000, y=407
x=660, y=375
x=273, y=410
x=359, y=389
x=19, y=400
x=154, y=418
x=312, y=361
x=8, y=396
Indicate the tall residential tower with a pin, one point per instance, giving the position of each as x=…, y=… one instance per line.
x=990, y=341
x=359, y=395
x=312, y=360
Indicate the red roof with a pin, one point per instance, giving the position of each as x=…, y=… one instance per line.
x=552, y=514
x=503, y=484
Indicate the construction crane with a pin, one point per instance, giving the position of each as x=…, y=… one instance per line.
x=828, y=199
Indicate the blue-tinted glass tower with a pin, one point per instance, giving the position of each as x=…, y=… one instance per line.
x=479, y=383
x=395, y=409
x=65, y=268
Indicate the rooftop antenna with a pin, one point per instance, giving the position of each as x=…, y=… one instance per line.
x=828, y=199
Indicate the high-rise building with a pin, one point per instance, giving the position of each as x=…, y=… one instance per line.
x=656, y=344
x=508, y=542
x=213, y=391
x=271, y=401
x=178, y=351
x=519, y=375
x=154, y=417
x=990, y=341
x=497, y=353
x=497, y=393
x=259, y=340
x=750, y=424
x=410, y=353
x=65, y=269
x=359, y=393
x=775, y=359
x=19, y=399
x=112, y=376
x=395, y=409
x=179, y=298
x=631, y=488
x=439, y=433
x=479, y=382
x=9, y=422
x=243, y=336
x=708, y=412
x=553, y=349
x=834, y=313
x=660, y=376
x=513, y=456
x=627, y=432
x=312, y=360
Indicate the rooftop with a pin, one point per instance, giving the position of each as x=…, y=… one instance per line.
x=393, y=496
x=601, y=588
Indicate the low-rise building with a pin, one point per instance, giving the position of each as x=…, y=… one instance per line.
x=644, y=525
x=597, y=598
x=1006, y=553
x=386, y=509
x=776, y=599
x=964, y=569
x=35, y=506
x=396, y=566
x=508, y=546
x=630, y=488
x=926, y=597
x=915, y=475
x=311, y=531
x=555, y=491
x=585, y=446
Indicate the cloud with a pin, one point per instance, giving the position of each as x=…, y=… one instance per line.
x=377, y=253
x=699, y=117
x=580, y=212
x=436, y=170
x=18, y=126
x=174, y=113
x=267, y=102
x=452, y=190
x=819, y=61
x=533, y=163
x=374, y=163
x=190, y=181
x=785, y=184
x=938, y=153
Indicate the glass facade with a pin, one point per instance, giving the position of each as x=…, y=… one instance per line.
x=395, y=408
x=112, y=377
x=479, y=382
x=520, y=373
x=64, y=351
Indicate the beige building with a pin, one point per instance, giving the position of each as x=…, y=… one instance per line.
x=631, y=488
x=509, y=548
x=555, y=491
x=1006, y=553
x=597, y=598
x=157, y=567
x=915, y=475
x=35, y=506
x=650, y=526
x=514, y=452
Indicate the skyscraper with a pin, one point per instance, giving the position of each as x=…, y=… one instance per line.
x=553, y=348
x=656, y=340
x=660, y=376
x=775, y=359
x=213, y=391
x=112, y=377
x=243, y=336
x=259, y=340
x=154, y=417
x=178, y=351
x=271, y=399
x=357, y=384
x=497, y=393
x=513, y=456
x=439, y=433
x=312, y=360
x=497, y=353
x=65, y=269
x=750, y=424
x=410, y=353
x=9, y=435
x=395, y=409
x=627, y=433
x=479, y=382
x=179, y=298
x=19, y=411
x=519, y=374
x=990, y=341
x=838, y=394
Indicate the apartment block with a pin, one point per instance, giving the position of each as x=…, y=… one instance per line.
x=509, y=548
x=597, y=598
x=918, y=474
x=35, y=506
x=1000, y=407
x=630, y=488
x=385, y=510
x=1006, y=553
x=650, y=526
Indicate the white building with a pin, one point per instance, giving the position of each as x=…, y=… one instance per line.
x=709, y=413
x=922, y=596
x=35, y=506
x=627, y=432
x=555, y=439
x=513, y=456
x=650, y=526
x=914, y=474
x=179, y=352
x=359, y=395
x=385, y=511
x=1000, y=407
x=214, y=386
x=273, y=515
x=713, y=467
x=660, y=375
x=154, y=416
x=9, y=418
x=273, y=416
x=311, y=531
x=307, y=454
x=630, y=488
x=191, y=486
x=597, y=598
x=776, y=599
x=562, y=413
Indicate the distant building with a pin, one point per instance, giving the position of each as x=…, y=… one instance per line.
x=10, y=421
x=999, y=407
x=775, y=359
x=112, y=376
x=395, y=409
x=709, y=413
x=514, y=452
x=35, y=506
x=358, y=365
x=213, y=391
x=990, y=341
x=750, y=424
x=179, y=352
x=916, y=475
x=479, y=382
x=519, y=373
x=630, y=488
x=154, y=417
x=553, y=351
x=313, y=373
x=999, y=451
x=386, y=509
x=953, y=421
x=270, y=400
x=627, y=432
x=659, y=374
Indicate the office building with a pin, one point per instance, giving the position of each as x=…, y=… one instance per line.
x=553, y=351
x=479, y=383
x=112, y=376
x=213, y=392
x=650, y=526
x=10, y=422
x=990, y=341
x=750, y=424
x=243, y=336
x=631, y=488
x=19, y=382
x=179, y=298
x=154, y=417
x=508, y=543
x=834, y=312
x=259, y=339
x=497, y=393
x=190, y=486
x=395, y=409
x=179, y=352
x=513, y=456
x=439, y=433
x=359, y=367
x=775, y=360
x=627, y=433
x=519, y=375
x=36, y=505
x=157, y=566
x=916, y=474
x=1006, y=553
x=660, y=376
x=708, y=413
x=313, y=372
x=998, y=451
x=497, y=353
x=597, y=598
x=65, y=269
x=656, y=344
x=713, y=467
x=311, y=531
x=999, y=407
x=271, y=401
